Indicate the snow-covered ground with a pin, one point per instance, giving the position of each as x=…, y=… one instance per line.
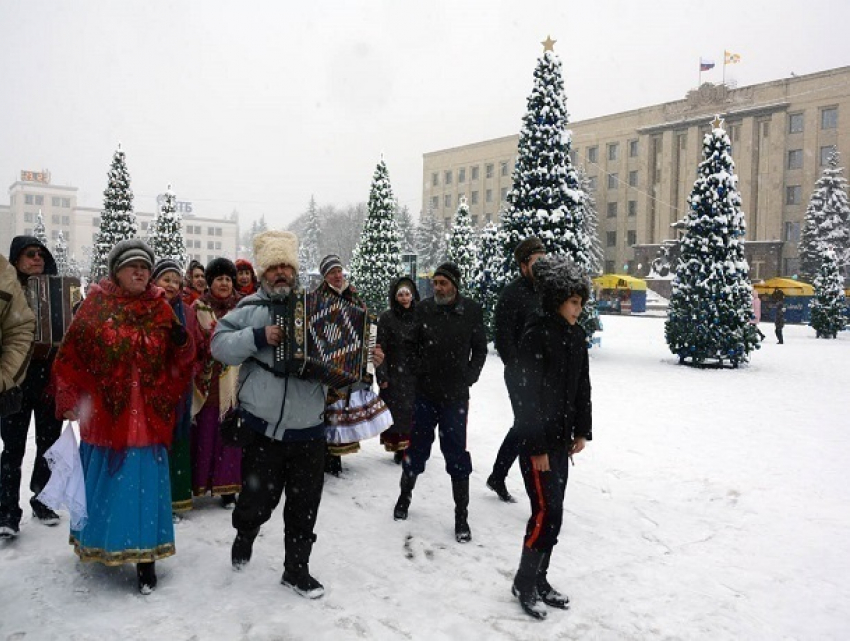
x=710, y=505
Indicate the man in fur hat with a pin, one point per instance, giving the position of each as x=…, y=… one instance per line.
x=284, y=413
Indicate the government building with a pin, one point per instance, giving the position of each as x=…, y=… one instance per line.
x=642, y=165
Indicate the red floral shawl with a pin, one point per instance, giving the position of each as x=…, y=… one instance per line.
x=118, y=368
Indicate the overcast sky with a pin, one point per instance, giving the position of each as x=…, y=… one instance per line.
x=256, y=105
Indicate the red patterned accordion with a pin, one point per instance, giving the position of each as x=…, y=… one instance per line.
x=52, y=300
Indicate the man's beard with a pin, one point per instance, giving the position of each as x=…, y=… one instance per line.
x=279, y=289
x=444, y=300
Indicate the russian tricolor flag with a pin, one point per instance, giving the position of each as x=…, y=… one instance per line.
x=705, y=65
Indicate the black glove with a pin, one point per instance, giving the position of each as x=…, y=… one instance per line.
x=179, y=336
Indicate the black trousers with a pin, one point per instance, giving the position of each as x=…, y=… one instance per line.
x=270, y=468
x=779, y=335
x=509, y=450
x=13, y=430
x=546, y=494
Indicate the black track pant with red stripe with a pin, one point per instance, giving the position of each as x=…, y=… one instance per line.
x=546, y=494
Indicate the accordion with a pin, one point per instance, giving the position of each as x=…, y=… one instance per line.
x=324, y=337
x=52, y=300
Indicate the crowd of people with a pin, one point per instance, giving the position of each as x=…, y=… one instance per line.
x=159, y=363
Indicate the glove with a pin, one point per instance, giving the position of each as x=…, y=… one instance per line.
x=179, y=336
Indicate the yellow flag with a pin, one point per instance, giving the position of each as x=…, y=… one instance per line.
x=731, y=58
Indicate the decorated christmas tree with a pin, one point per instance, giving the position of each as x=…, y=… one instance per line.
x=39, y=232
x=165, y=235
x=711, y=308
x=376, y=260
x=462, y=251
x=117, y=220
x=481, y=287
x=430, y=243
x=310, y=244
x=827, y=307
x=827, y=223
x=546, y=200
x=60, y=255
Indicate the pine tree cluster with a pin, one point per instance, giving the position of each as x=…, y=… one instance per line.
x=482, y=284
x=827, y=306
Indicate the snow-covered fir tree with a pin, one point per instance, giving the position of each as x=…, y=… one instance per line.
x=117, y=220
x=462, y=250
x=828, y=305
x=546, y=200
x=39, y=231
x=486, y=269
x=430, y=242
x=826, y=223
x=711, y=308
x=376, y=260
x=590, y=220
x=74, y=267
x=165, y=235
x=406, y=230
x=311, y=241
x=60, y=255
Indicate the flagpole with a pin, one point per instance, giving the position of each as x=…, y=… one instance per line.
x=724, y=67
x=699, y=80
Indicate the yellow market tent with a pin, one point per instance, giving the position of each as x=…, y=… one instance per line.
x=788, y=286
x=619, y=281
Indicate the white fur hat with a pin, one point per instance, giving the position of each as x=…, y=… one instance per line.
x=275, y=248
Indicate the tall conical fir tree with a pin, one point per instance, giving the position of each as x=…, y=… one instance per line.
x=312, y=240
x=39, y=231
x=60, y=255
x=590, y=220
x=406, y=231
x=430, y=242
x=376, y=260
x=117, y=220
x=462, y=251
x=827, y=307
x=165, y=235
x=711, y=308
x=546, y=200
x=826, y=223
x=486, y=270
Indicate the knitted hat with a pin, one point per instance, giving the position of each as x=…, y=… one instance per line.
x=558, y=278
x=220, y=267
x=328, y=263
x=527, y=248
x=275, y=247
x=243, y=265
x=165, y=265
x=450, y=271
x=126, y=251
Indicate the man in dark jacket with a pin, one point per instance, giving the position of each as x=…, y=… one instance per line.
x=30, y=258
x=553, y=419
x=448, y=350
x=516, y=304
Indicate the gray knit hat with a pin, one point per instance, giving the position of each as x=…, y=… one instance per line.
x=451, y=271
x=558, y=278
x=126, y=251
x=328, y=263
x=527, y=248
x=165, y=265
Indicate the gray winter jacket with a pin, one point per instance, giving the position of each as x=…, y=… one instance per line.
x=285, y=403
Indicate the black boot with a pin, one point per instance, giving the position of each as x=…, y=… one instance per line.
x=243, y=546
x=549, y=595
x=398, y=457
x=460, y=490
x=146, y=573
x=525, y=583
x=407, y=483
x=333, y=464
x=43, y=513
x=501, y=490
x=296, y=563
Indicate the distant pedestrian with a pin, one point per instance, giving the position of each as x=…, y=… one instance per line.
x=779, y=322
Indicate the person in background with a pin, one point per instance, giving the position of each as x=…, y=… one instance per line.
x=779, y=321
x=246, y=279
x=196, y=283
x=30, y=258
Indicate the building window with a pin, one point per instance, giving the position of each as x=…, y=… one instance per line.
x=593, y=154
x=55, y=218
x=39, y=200
x=829, y=118
x=461, y=175
x=503, y=168
x=825, y=153
x=474, y=219
x=435, y=202
x=488, y=170
x=447, y=223
x=474, y=175
x=55, y=201
x=734, y=133
x=683, y=141
x=613, y=151
x=633, y=178
x=210, y=244
x=765, y=129
x=66, y=202
x=488, y=218
x=54, y=234
x=197, y=244
x=612, y=210
x=218, y=245
x=792, y=232
x=29, y=217
x=504, y=194
x=447, y=177
x=795, y=158
x=218, y=231
x=612, y=181
x=144, y=225
x=574, y=156
x=66, y=220
x=591, y=183
x=609, y=266
x=795, y=123
x=632, y=208
x=435, y=179
x=473, y=198
x=611, y=239
x=488, y=196
x=631, y=237
x=793, y=194
x=28, y=199
x=792, y=266
x=447, y=200
x=633, y=148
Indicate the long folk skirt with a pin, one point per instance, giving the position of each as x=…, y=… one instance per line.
x=216, y=468
x=180, y=460
x=128, y=494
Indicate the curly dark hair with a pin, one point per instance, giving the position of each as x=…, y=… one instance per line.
x=557, y=278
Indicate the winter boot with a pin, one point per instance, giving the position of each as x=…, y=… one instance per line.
x=146, y=573
x=228, y=501
x=304, y=584
x=460, y=490
x=398, y=457
x=408, y=482
x=243, y=546
x=501, y=490
x=43, y=513
x=549, y=595
x=525, y=583
x=333, y=464
x=296, y=573
x=9, y=526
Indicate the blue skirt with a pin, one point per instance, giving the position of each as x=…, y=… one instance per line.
x=128, y=495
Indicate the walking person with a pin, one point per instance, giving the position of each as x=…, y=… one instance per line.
x=449, y=347
x=553, y=420
x=516, y=304
x=121, y=370
x=285, y=416
x=779, y=321
x=30, y=258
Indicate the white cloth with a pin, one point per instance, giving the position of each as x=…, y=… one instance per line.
x=66, y=488
x=363, y=416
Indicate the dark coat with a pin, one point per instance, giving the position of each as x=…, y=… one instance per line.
x=554, y=404
x=395, y=332
x=449, y=348
x=19, y=243
x=779, y=321
x=516, y=304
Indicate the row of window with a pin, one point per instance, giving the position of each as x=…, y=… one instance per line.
x=613, y=151
x=31, y=217
x=612, y=209
x=56, y=201
x=473, y=198
x=488, y=218
x=611, y=238
x=489, y=172
x=828, y=120
x=795, y=157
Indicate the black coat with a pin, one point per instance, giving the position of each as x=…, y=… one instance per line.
x=449, y=348
x=554, y=404
x=516, y=304
x=396, y=328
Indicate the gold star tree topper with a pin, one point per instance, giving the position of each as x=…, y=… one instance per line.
x=717, y=123
x=548, y=44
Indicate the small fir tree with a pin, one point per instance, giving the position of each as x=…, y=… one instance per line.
x=827, y=222
x=484, y=274
x=74, y=267
x=376, y=260
x=60, y=255
x=117, y=220
x=311, y=241
x=165, y=235
x=462, y=251
x=407, y=233
x=590, y=221
x=827, y=308
x=430, y=243
x=39, y=231
x=711, y=308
